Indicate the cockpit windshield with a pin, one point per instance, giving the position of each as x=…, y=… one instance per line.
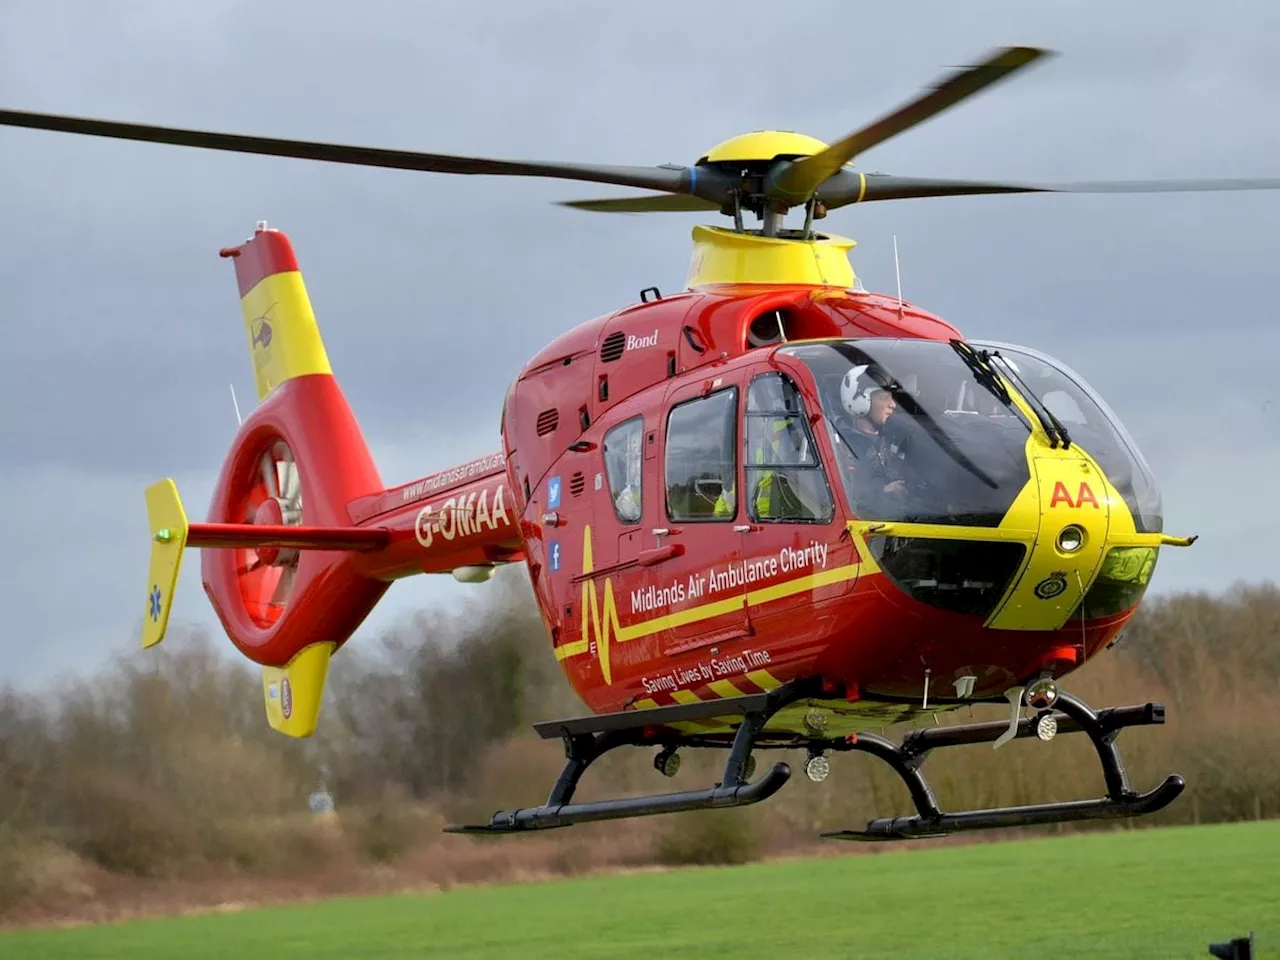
x=923, y=430
x=1090, y=424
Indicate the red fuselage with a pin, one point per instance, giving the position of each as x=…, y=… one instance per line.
x=664, y=595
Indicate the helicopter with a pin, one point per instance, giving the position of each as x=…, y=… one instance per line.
x=773, y=510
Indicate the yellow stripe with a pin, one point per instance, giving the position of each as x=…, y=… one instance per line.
x=862, y=187
x=290, y=345
x=941, y=531
x=764, y=679
x=724, y=688
x=646, y=704
x=685, y=696
x=809, y=581
x=566, y=650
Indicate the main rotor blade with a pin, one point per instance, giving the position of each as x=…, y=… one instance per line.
x=850, y=187
x=651, y=203
x=796, y=182
x=672, y=178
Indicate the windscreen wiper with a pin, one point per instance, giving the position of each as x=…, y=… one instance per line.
x=1058, y=427
x=979, y=361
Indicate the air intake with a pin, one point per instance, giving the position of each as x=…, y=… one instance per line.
x=548, y=420
x=614, y=346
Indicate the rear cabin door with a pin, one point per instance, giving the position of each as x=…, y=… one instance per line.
x=795, y=546
x=693, y=583
x=616, y=482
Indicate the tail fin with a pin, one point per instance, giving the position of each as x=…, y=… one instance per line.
x=168, y=539
x=292, y=692
x=279, y=562
x=172, y=533
x=284, y=339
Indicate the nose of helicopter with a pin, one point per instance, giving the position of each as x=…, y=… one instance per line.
x=1063, y=518
x=1067, y=530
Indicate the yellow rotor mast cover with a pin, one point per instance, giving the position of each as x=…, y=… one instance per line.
x=723, y=256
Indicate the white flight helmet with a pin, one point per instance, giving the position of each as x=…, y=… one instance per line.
x=857, y=402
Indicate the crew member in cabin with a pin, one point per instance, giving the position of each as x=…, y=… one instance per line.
x=870, y=455
x=782, y=457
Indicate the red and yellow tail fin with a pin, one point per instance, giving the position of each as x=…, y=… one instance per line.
x=284, y=339
x=312, y=420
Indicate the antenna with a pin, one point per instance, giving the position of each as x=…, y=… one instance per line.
x=235, y=403
x=896, y=272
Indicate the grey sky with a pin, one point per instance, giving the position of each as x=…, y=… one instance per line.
x=122, y=327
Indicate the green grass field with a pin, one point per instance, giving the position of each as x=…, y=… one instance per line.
x=1163, y=893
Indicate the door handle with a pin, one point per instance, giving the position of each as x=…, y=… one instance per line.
x=648, y=558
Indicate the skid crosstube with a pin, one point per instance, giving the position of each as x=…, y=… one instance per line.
x=587, y=739
x=1073, y=716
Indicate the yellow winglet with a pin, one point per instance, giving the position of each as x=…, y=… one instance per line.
x=293, y=692
x=168, y=538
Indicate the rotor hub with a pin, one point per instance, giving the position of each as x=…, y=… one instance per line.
x=269, y=513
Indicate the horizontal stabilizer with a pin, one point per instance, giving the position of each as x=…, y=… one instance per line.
x=293, y=692
x=168, y=537
x=282, y=535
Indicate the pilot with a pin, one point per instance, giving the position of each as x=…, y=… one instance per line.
x=875, y=461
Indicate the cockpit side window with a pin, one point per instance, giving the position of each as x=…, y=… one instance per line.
x=623, y=464
x=701, y=462
x=785, y=478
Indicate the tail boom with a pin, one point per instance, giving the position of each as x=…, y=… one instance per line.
x=284, y=536
x=459, y=519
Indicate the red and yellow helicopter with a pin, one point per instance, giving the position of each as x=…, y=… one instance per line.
x=773, y=510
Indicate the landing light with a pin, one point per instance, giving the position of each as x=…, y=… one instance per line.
x=1070, y=539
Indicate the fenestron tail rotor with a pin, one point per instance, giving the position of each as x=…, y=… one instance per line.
x=764, y=173
x=266, y=573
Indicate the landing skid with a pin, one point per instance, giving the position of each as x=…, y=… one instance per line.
x=1071, y=716
x=586, y=739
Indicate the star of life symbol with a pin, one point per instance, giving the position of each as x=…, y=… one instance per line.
x=155, y=602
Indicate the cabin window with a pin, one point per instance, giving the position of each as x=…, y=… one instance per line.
x=785, y=479
x=623, y=460
x=701, y=465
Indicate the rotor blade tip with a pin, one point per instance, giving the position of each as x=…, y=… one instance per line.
x=1020, y=56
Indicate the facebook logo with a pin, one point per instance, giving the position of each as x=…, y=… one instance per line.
x=553, y=554
x=553, y=493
